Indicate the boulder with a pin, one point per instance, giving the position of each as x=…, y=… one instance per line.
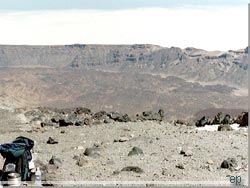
x=92, y=152
x=99, y=115
x=135, y=151
x=81, y=161
x=79, y=123
x=187, y=152
x=48, y=124
x=229, y=163
x=161, y=113
x=150, y=116
x=227, y=119
x=202, y=122
x=82, y=110
x=119, y=117
x=180, y=166
x=87, y=121
x=65, y=123
x=55, y=161
x=135, y=169
x=225, y=128
x=218, y=119
x=52, y=141
x=243, y=119
x=147, y=113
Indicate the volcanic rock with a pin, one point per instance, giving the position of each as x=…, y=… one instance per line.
x=51, y=141
x=135, y=169
x=229, y=163
x=225, y=128
x=135, y=151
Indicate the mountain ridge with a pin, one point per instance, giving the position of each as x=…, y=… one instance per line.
x=127, y=78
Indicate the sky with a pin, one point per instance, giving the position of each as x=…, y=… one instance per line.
x=207, y=24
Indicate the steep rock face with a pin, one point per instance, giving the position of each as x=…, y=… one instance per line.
x=127, y=78
x=190, y=63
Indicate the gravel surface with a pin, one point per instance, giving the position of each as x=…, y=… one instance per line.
x=169, y=153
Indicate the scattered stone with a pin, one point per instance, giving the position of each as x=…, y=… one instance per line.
x=161, y=113
x=180, y=122
x=92, y=152
x=64, y=123
x=132, y=169
x=149, y=115
x=87, y=121
x=52, y=141
x=80, y=147
x=116, y=172
x=107, y=120
x=135, y=151
x=202, y=122
x=47, y=124
x=55, y=161
x=229, y=163
x=186, y=152
x=81, y=162
x=82, y=110
x=243, y=119
x=218, y=119
x=99, y=115
x=79, y=123
x=210, y=162
x=164, y=172
x=122, y=139
x=225, y=128
x=76, y=157
x=180, y=166
x=227, y=119
x=63, y=131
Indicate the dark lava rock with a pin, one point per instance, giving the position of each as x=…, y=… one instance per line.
x=227, y=119
x=119, y=117
x=150, y=116
x=135, y=151
x=225, y=128
x=64, y=123
x=51, y=141
x=99, y=115
x=218, y=119
x=81, y=161
x=202, y=122
x=132, y=169
x=107, y=119
x=87, y=121
x=186, y=152
x=243, y=119
x=55, y=119
x=180, y=166
x=92, y=152
x=47, y=124
x=147, y=113
x=81, y=110
x=161, y=113
x=55, y=161
x=79, y=123
x=229, y=163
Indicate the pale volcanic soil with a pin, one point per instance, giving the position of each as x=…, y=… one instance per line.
x=161, y=144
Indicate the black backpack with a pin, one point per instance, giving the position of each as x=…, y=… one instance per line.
x=18, y=153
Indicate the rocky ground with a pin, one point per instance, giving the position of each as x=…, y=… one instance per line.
x=145, y=151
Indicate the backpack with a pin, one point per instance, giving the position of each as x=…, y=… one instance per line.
x=18, y=153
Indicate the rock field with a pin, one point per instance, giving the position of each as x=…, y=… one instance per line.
x=140, y=151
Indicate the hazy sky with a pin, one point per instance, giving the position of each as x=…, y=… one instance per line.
x=207, y=24
x=111, y=4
